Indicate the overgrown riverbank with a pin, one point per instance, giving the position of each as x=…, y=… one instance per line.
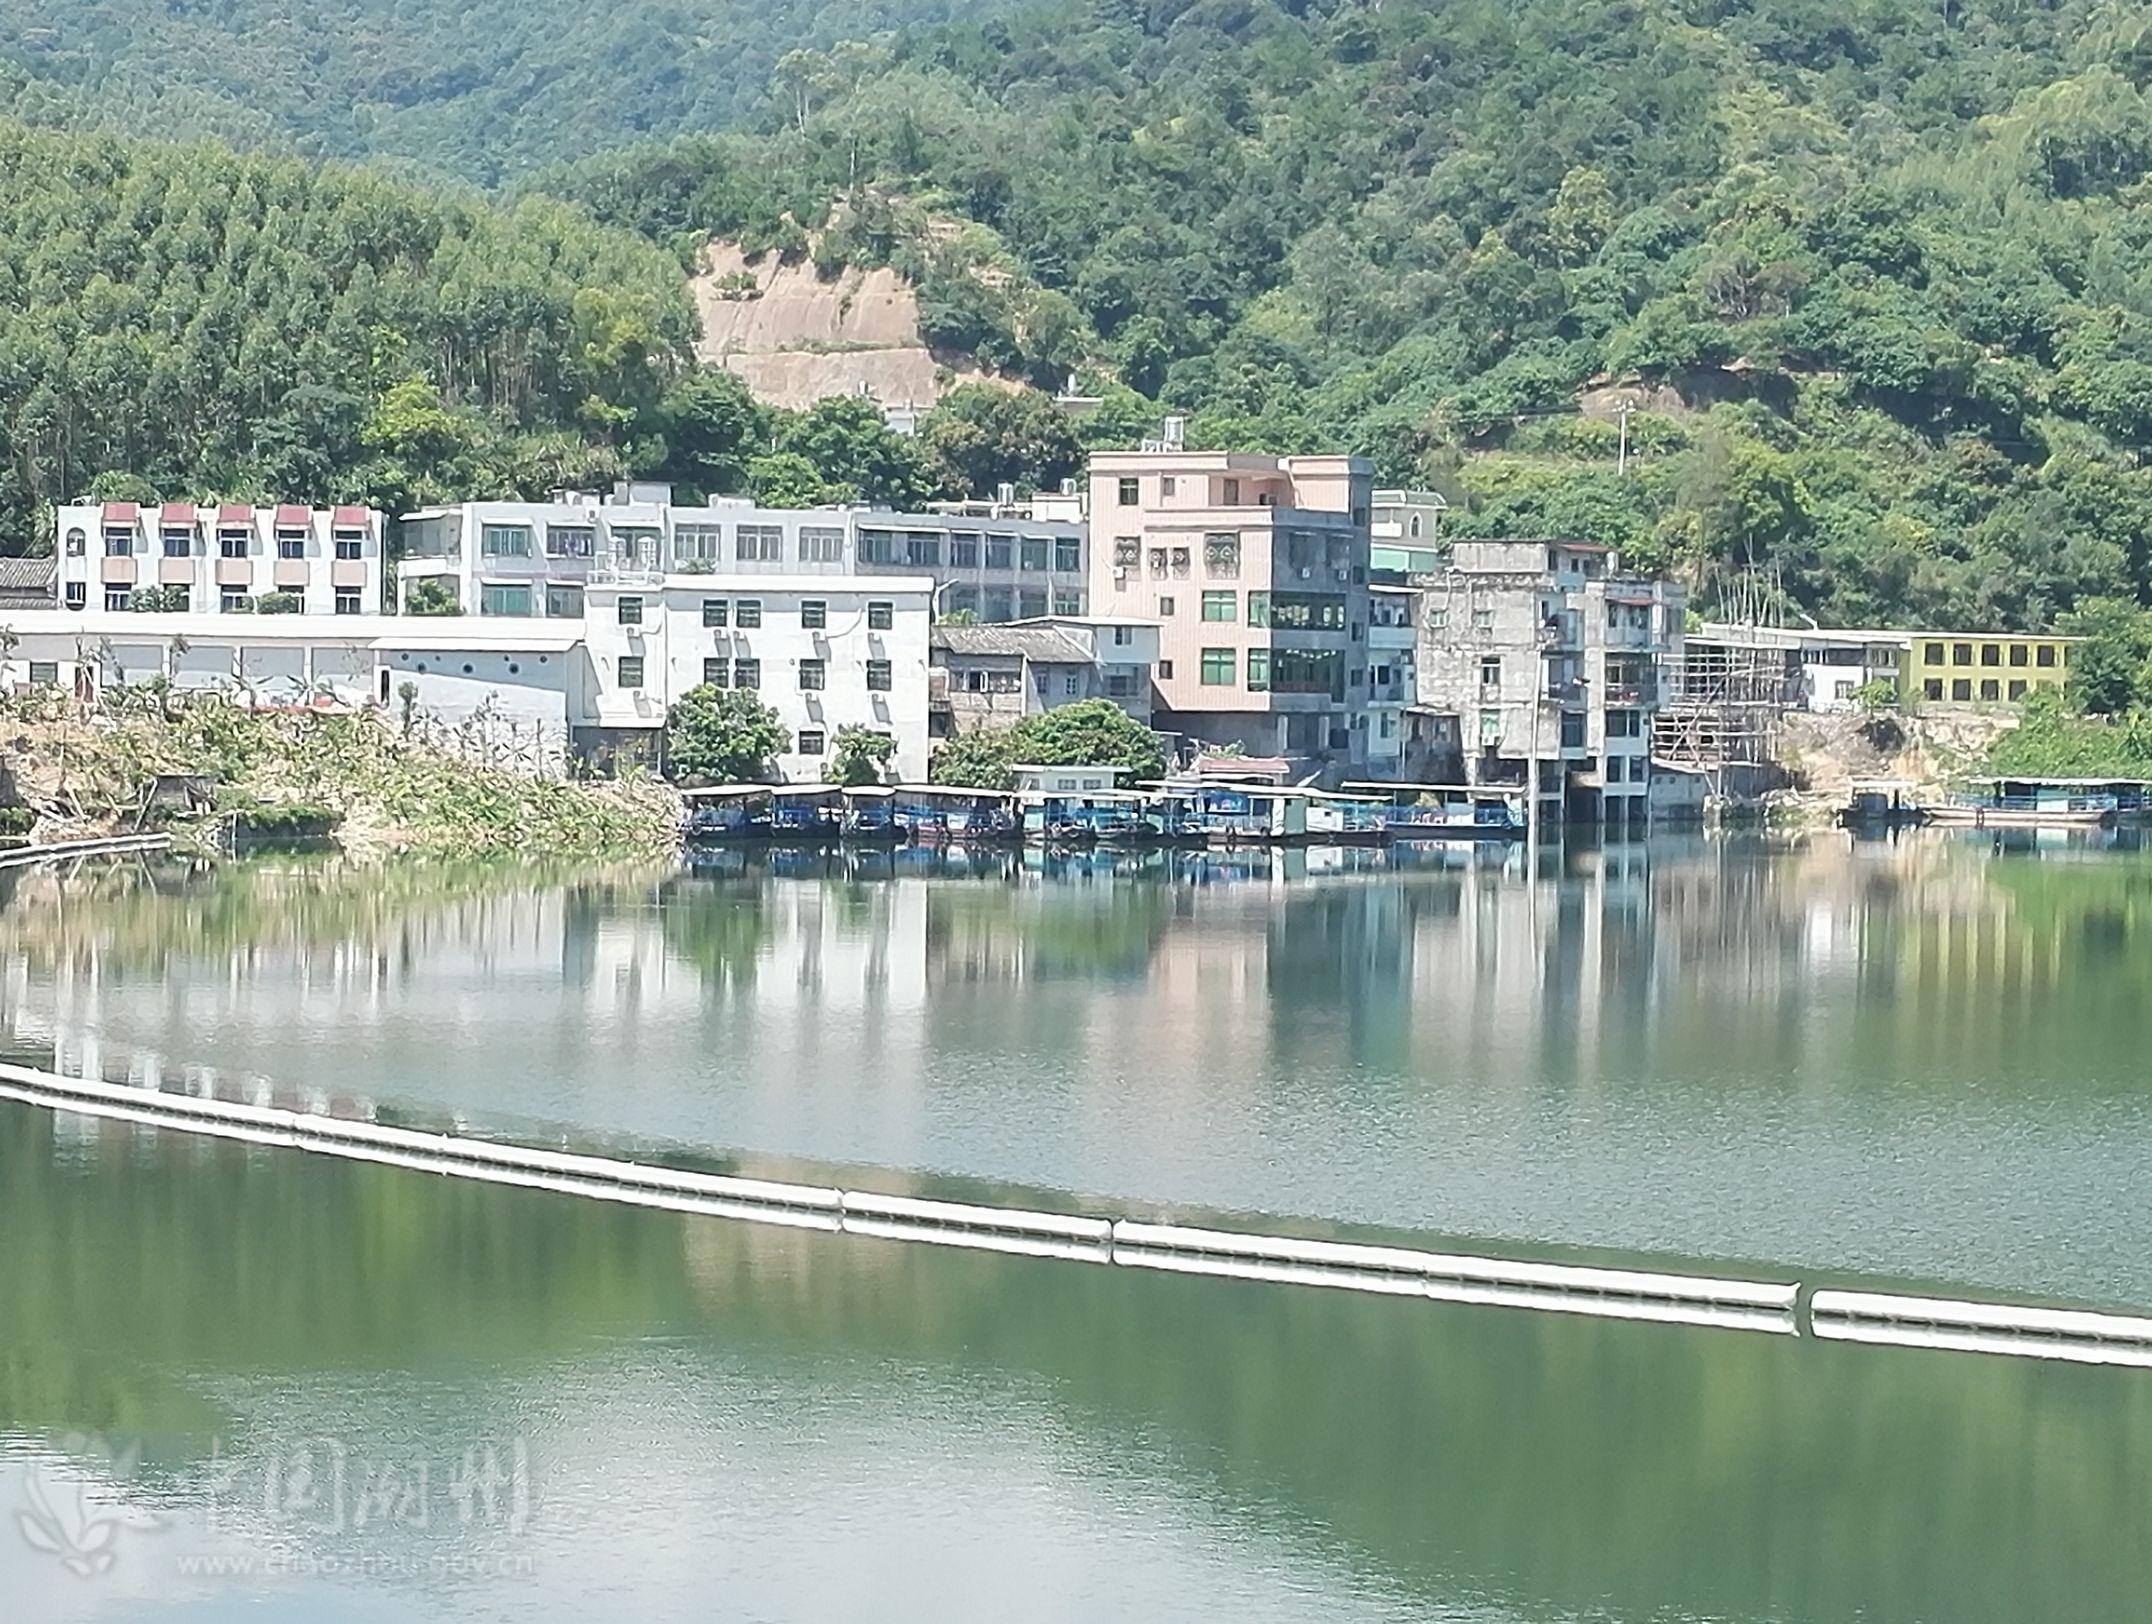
x=382, y=792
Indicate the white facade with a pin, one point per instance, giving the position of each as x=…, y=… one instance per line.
x=504, y=560
x=1392, y=666
x=223, y=558
x=824, y=652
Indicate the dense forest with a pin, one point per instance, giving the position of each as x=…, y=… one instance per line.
x=1875, y=278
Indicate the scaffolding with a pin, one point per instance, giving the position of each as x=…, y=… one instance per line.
x=1728, y=695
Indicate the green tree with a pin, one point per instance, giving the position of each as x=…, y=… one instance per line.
x=980, y=437
x=2111, y=671
x=859, y=755
x=785, y=479
x=849, y=444
x=712, y=427
x=722, y=736
x=431, y=597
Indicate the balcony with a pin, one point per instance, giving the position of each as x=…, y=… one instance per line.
x=290, y=574
x=235, y=572
x=175, y=571
x=120, y=571
x=348, y=573
x=1644, y=691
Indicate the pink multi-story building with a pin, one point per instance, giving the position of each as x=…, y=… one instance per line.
x=1255, y=568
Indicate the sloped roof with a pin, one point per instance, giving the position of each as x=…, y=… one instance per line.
x=26, y=578
x=1040, y=644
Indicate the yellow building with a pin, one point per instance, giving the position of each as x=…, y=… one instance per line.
x=1983, y=668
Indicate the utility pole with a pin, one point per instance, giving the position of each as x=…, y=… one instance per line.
x=1621, y=455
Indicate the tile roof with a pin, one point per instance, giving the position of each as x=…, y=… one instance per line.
x=1041, y=644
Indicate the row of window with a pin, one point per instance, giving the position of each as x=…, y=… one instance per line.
x=1961, y=688
x=1221, y=555
x=924, y=549
x=993, y=604
x=2046, y=655
x=746, y=613
x=1285, y=671
x=692, y=543
x=1291, y=611
x=231, y=601
x=723, y=673
x=230, y=544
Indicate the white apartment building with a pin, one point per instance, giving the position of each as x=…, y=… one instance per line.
x=1392, y=675
x=824, y=652
x=220, y=559
x=1255, y=568
x=1407, y=530
x=534, y=559
x=1553, y=662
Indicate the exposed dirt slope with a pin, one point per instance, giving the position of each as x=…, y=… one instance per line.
x=797, y=338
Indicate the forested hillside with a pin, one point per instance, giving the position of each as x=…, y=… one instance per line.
x=1876, y=275
x=480, y=89
x=1882, y=271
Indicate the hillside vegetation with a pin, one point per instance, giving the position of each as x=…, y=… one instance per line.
x=1878, y=275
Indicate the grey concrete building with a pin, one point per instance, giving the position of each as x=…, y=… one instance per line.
x=1553, y=661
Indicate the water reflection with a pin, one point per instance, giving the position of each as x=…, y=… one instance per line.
x=724, y=1420
x=1920, y=1057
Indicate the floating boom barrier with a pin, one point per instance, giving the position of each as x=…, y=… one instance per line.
x=104, y=846
x=1398, y=1271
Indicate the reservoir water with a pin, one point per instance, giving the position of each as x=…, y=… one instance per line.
x=253, y=1375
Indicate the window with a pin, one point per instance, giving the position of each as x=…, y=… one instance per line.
x=1961, y=688
x=1219, y=606
x=1258, y=670
x=1437, y=619
x=812, y=676
x=759, y=544
x=178, y=543
x=999, y=550
x=289, y=545
x=812, y=741
x=2017, y=688
x=1932, y=688
x=814, y=614
x=564, y=602
x=1933, y=654
x=1031, y=603
x=1165, y=670
x=118, y=599
x=922, y=550
x=1127, y=552
x=879, y=676
x=44, y=673
x=1221, y=554
x=1232, y=493
x=717, y=673
x=2019, y=654
x=1991, y=654
x=1068, y=554
x=232, y=601
x=1259, y=608
x=881, y=615
x=1217, y=668
x=877, y=546
x=504, y=600
x=821, y=545
x=1490, y=728
x=77, y=594
x=1165, y=485
x=1482, y=620
x=1123, y=636
x=571, y=541
x=962, y=600
x=964, y=552
x=347, y=603
x=1491, y=672
x=1071, y=685
x=696, y=544
x=232, y=543
x=1990, y=688
x=716, y=612
x=119, y=543
x=1961, y=654
x=747, y=614
x=1625, y=724
x=747, y=673
x=77, y=543
x=494, y=541
x=1572, y=730
x=1165, y=608
x=1032, y=552
x=631, y=611
x=2046, y=656
x=179, y=599
x=349, y=547
x=1130, y=493
x=631, y=671
x=1067, y=601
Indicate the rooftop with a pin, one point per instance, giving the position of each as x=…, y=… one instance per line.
x=1040, y=644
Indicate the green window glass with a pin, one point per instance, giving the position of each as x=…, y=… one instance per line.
x=1217, y=668
x=1258, y=670
x=1259, y=608
x=1218, y=606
